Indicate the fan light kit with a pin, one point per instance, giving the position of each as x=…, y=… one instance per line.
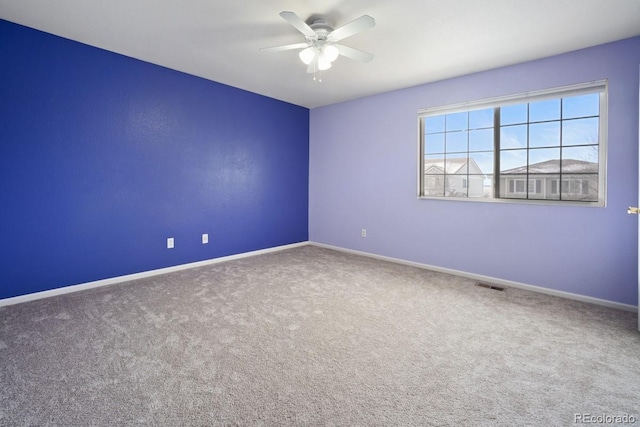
x=321, y=47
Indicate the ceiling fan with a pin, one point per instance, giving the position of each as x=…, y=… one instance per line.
x=321, y=46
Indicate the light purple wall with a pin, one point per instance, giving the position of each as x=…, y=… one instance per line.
x=363, y=172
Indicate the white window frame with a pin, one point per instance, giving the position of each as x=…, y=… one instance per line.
x=600, y=86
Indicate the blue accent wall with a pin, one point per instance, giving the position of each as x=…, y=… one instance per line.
x=103, y=157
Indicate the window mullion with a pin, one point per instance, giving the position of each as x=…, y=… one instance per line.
x=561, y=147
x=496, y=152
x=526, y=177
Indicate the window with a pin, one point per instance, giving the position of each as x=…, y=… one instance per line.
x=545, y=146
x=516, y=186
x=535, y=186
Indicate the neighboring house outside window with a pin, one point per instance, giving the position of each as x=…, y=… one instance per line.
x=453, y=177
x=580, y=181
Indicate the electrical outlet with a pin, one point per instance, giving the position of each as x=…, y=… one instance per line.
x=363, y=233
x=205, y=238
x=170, y=243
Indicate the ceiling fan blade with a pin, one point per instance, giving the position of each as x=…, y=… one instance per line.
x=357, y=54
x=353, y=27
x=285, y=47
x=298, y=23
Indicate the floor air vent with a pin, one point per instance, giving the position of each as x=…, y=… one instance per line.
x=488, y=286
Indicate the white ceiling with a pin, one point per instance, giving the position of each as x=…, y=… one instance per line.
x=414, y=41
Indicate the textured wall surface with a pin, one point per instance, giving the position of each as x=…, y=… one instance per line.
x=363, y=174
x=103, y=157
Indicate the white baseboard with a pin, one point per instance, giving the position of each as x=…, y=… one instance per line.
x=111, y=281
x=144, y=274
x=493, y=280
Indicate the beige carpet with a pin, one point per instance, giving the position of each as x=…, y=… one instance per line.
x=311, y=336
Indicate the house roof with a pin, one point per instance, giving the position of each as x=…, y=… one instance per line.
x=451, y=166
x=553, y=166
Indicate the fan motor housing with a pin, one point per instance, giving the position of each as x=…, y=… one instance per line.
x=321, y=24
x=322, y=29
